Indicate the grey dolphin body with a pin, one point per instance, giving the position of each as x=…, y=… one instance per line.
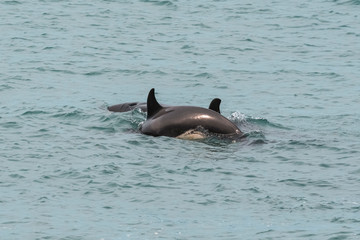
x=174, y=121
x=126, y=107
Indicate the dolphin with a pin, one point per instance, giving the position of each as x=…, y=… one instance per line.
x=186, y=121
x=129, y=106
x=125, y=107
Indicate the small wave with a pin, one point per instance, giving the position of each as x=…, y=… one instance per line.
x=15, y=175
x=255, y=138
x=351, y=2
x=10, y=125
x=307, y=183
x=242, y=119
x=255, y=127
x=44, y=69
x=126, y=122
x=5, y=87
x=12, y=2
x=34, y=112
x=77, y=114
x=157, y=72
x=265, y=122
x=108, y=129
x=96, y=73
x=313, y=143
x=160, y=3
x=204, y=75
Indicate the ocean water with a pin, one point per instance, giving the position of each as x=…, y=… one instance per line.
x=287, y=73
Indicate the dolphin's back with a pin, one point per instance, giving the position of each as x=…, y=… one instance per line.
x=174, y=121
x=125, y=107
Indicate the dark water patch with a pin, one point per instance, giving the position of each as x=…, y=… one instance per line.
x=156, y=72
x=283, y=159
x=236, y=49
x=43, y=199
x=137, y=163
x=119, y=186
x=128, y=72
x=344, y=2
x=221, y=87
x=254, y=138
x=341, y=236
x=17, y=176
x=204, y=75
x=265, y=232
x=321, y=184
x=252, y=190
x=249, y=159
x=43, y=130
x=34, y=112
x=48, y=69
x=330, y=75
x=12, y=3
x=313, y=143
x=355, y=209
x=187, y=46
x=265, y=123
x=293, y=182
x=11, y=124
x=71, y=237
x=134, y=142
x=49, y=48
x=71, y=174
x=343, y=220
x=324, y=206
x=148, y=185
x=228, y=173
x=207, y=202
x=308, y=183
x=203, y=170
x=193, y=85
x=355, y=172
x=96, y=73
x=250, y=176
x=201, y=25
x=111, y=169
x=257, y=142
x=73, y=114
x=161, y=3
x=220, y=188
x=324, y=165
x=216, y=140
x=4, y=87
x=21, y=39
x=308, y=236
x=108, y=129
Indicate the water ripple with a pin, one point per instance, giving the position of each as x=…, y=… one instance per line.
x=74, y=170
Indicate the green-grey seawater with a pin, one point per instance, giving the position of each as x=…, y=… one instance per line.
x=287, y=73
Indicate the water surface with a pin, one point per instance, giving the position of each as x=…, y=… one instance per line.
x=287, y=74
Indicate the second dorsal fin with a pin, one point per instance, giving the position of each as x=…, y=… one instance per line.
x=215, y=105
x=152, y=104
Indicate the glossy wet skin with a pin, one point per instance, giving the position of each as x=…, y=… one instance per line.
x=125, y=107
x=174, y=121
x=129, y=106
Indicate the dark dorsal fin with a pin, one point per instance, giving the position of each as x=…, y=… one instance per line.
x=215, y=105
x=152, y=104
